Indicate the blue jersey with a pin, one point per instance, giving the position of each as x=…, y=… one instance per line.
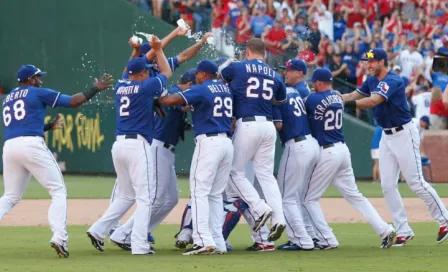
x=173, y=63
x=394, y=111
x=325, y=111
x=293, y=116
x=302, y=88
x=212, y=106
x=134, y=105
x=169, y=128
x=375, y=144
x=439, y=80
x=24, y=110
x=254, y=86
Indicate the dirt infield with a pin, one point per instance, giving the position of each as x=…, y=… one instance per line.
x=86, y=211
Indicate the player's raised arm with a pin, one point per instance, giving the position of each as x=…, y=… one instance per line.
x=76, y=100
x=164, y=67
x=192, y=51
x=167, y=40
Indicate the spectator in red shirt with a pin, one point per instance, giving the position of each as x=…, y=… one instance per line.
x=371, y=12
x=218, y=15
x=355, y=12
x=273, y=41
x=437, y=110
x=308, y=56
x=385, y=7
x=244, y=34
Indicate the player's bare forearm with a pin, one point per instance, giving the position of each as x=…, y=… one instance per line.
x=192, y=51
x=171, y=100
x=77, y=100
x=278, y=125
x=164, y=67
x=352, y=96
x=369, y=102
x=101, y=84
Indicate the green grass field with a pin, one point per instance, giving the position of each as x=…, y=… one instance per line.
x=101, y=187
x=26, y=249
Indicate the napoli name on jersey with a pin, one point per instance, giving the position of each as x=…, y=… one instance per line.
x=24, y=110
x=325, y=111
x=254, y=85
x=134, y=102
x=394, y=111
x=212, y=107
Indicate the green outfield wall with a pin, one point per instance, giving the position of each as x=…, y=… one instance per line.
x=76, y=41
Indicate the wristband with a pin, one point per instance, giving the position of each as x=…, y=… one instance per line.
x=90, y=92
x=48, y=126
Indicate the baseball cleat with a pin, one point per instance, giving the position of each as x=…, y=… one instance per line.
x=123, y=246
x=61, y=250
x=290, y=246
x=182, y=244
x=276, y=232
x=260, y=247
x=151, y=238
x=443, y=235
x=402, y=240
x=229, y=247
x=199, y=250
x=316, y=242
x=388, y=240
x=183, y=238
x=262, y=220
x=325, y=247
x=99, y=245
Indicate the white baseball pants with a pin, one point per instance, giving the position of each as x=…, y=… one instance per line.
x=401, y=151
x=209, y=176
x=134, y=167
x=24, y=157
x=255, y=141
x=296, y=166
x=334, y=167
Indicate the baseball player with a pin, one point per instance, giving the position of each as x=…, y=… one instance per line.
x=131, y=152
x=325, y=110
x=256, y=88
x=384, y=91
x=212, y=106
x=300, y=155
x=25, y=153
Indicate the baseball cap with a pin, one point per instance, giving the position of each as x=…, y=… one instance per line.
x=27, y=71
x=396, y=67
x=425, y=119
x=288, y=27
x=189, y=76
x=322, y=74
x=220, y=60
x=137, y=65
x=375, y=54
x=207, y=66
x=295, y=65
x=144, y=48
x=412, y=43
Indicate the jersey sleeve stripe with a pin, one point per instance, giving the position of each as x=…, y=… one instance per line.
x=172, y=65
x=183, y=96
x=282, y=101
x=160, y=81
x=278, y=120
x=359, y=91
x=380, y=93
x=56, y=100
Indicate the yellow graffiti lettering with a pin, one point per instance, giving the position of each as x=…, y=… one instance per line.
x=88, y=132
x=63, y=137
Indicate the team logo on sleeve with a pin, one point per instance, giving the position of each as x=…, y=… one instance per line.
x=383, y=87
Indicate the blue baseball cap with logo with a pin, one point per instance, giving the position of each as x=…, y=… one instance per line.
x=188, y=76
x=27, y=71
x=207, y=66
x=144, y=48
x=322, y=74
x=425, y=119
x=137, y=65
x=375, y=54
x=295, y=65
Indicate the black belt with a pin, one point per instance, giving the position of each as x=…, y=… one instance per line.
x=216, y=134
x=169, y=147
x=252, y=119
x=131, y=136
x=390, y=131
x=299, y=139
x=327, y=146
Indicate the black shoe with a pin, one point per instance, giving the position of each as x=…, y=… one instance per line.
x=259, y=223
x=124, y=246
x=199, y=250
x=276, y=232
x=388, y=240
x=99, y=245
x=61, y=250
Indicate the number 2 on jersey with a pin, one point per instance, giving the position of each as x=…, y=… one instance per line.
x=219, y=103
x=19, y=112
x=254, y=84
x=125, y=102
x=333, y=120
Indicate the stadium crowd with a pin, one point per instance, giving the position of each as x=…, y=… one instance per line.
x=332, y=34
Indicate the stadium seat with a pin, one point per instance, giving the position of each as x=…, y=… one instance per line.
x=426, y=164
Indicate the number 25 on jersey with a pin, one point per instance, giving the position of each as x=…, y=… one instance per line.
x=18, y=112
x=254, y=85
